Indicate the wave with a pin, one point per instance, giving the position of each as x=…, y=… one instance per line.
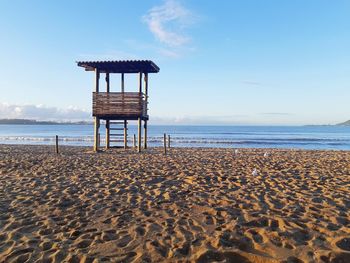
x=190, y=141
x=263, y=139
x=45, y=139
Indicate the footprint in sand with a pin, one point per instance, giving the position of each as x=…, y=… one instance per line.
x=74, y=234
x=261, y=222
x=276, y=240
x=340, y=258
x=185, y=250
x=198, y=241
x=140, y=231
x=124, y=241
x=288, y=246
x=209, y=220
x=46, y=245
x=109, y=235
x=333, y=227
x=216, y=256
x=301, y=237
x=161, y=249
x=84, y=243
x=228, y=240
x=128, y=257
x=18, y=254
x=45, y=231
x=292, y=259
x=73, y=258
x=3, y=237
x=256, y=236
x=344, y=244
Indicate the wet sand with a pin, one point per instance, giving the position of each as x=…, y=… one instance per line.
x=193, y=205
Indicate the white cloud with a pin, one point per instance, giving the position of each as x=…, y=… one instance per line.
x=42, y=112
x=167, y=23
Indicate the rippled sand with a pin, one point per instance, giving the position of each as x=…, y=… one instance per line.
x=200, y=205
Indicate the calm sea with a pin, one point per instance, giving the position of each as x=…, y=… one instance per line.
x=303, y=137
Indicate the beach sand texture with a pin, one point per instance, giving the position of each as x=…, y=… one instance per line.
x=193, y=205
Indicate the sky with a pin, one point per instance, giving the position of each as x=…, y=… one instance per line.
x=242, y=62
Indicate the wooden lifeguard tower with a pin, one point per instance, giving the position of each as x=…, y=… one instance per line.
x=117, y=108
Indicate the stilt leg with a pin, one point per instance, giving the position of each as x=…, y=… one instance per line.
x=145, y=135
x=125, y=134
x=96, y=129
x=107, y=134
x=139, y=136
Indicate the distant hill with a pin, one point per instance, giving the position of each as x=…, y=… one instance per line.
x=35, y=122
x=347, y=123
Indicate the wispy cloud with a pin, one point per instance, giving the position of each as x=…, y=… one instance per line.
x=42, y=112
x=167, y=23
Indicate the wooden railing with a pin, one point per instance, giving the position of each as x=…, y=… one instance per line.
x=113, y=104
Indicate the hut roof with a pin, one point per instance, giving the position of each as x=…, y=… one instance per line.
x=120, y=66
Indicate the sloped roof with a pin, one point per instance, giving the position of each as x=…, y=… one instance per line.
x=120, y=66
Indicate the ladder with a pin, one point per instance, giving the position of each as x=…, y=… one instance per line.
x=118, y=133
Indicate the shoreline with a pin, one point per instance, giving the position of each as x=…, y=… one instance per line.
x=196, y=204
x=299, y=137
x=160, y=148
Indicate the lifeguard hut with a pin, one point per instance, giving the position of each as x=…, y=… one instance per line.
x=117, y=108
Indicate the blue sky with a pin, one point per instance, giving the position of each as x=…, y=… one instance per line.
x=221, y=62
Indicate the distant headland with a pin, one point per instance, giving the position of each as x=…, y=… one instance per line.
x=36, y=122
x=346, y=123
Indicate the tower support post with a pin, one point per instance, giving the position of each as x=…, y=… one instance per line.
x=125, y=134
x=145, y=135
x=96, y=134
x=97, y=120
x=107, y=121
x=139, y=135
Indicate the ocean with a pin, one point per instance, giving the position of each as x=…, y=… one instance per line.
x=296, y=137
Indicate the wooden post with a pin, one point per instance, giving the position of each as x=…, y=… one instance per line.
x=107, y=134
x=99, y=140
x=139, y=119
x=122, y=83
x=146, y=87
x=145, y=135
x=140, y=82
x=139, y=135
x=97, y=120
x=107, y=121
x=125, y=134
x=145, y=111
x=97, y=80
x=169, y=141
x=57, y=144
x=134, y=141
x=107, y=82
x=146, y=94
x=96, y=126
x=164, y=143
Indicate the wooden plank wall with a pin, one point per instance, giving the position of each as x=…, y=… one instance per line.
x=118, y=103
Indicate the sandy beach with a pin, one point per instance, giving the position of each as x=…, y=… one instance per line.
x=192, y=205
